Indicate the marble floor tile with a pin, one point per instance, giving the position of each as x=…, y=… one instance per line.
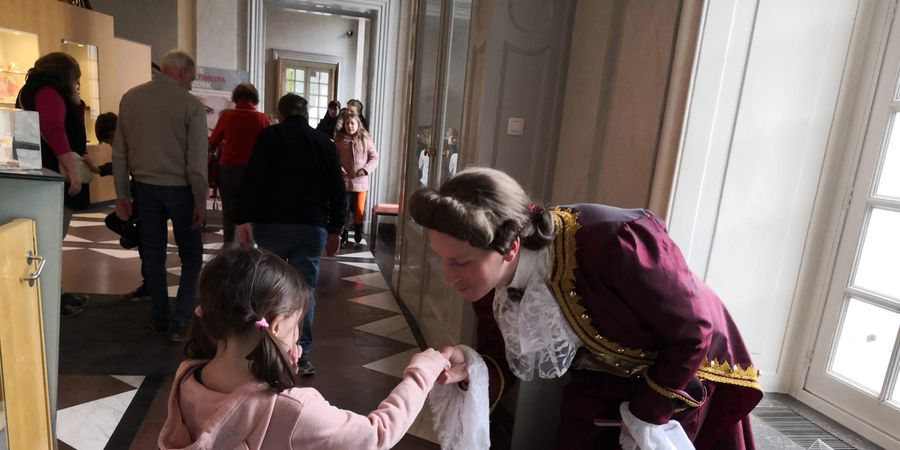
x=369, y=279
x=88, y=426
x=134, y=380
x=384, y=300
x=423, y=426
x=86, y=223
x=394, y=328
x=70, y=238
x=367, y=255
x=94, y=215
x=393, y=365
x=361, y=265
x=121, y=254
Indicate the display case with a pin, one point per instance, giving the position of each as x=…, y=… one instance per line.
x=18, y=51
x=86, y=55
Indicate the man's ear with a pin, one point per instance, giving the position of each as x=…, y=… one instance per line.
x=513, y=249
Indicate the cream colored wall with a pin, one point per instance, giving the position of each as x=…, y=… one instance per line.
x=122, y=65
x=619, y=66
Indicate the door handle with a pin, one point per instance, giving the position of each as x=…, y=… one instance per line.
x=31, y=258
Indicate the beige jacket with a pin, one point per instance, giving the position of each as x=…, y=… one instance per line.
x=161, y=139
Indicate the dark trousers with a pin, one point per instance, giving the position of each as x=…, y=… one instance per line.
x=158, y=205
x=229, y=188
x=301, y=246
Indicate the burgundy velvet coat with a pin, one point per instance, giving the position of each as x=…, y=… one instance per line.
x=654, y=334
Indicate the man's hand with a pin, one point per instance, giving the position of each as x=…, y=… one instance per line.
x=123, y=208
x=198, y=218
x=458, y=370
x=244, y=233
x=332, y=244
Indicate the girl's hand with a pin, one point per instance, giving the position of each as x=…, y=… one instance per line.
x=90, y=164
x=458, y=370
x=361, y=172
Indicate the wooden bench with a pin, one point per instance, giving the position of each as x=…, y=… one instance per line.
x=380, y=209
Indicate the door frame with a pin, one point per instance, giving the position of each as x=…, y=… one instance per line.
x=863, y=68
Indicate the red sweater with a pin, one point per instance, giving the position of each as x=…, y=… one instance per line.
x=237, y=129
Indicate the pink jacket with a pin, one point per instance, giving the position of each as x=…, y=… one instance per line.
x=356, y=154
x=254, y=417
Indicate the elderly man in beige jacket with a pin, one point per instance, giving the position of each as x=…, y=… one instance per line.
x=161, y=143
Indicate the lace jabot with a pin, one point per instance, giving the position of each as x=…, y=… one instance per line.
x=539, y=341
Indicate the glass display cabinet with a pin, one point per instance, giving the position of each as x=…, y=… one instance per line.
x=18, y=51
x=86, y=55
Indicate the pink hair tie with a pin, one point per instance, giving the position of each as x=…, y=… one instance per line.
x=198, y=311
x=261, y=323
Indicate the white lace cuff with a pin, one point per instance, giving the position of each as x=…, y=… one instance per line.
x=647, y=436
x=461, y=417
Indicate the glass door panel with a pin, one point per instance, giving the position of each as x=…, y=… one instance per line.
x=86, y=55
x=415, y=272
x=441, y=49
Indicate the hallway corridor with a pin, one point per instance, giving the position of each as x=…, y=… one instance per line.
x=115, y=374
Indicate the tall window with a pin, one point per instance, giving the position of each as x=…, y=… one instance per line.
x=316, y=82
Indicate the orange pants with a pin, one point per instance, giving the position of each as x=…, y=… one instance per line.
x=357, y=206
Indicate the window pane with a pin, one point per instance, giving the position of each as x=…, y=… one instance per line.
x=877, y=269
x=866, y=341
x=288, y=85
x=301, y=75
x=313, y=89
x=324, y=77
x=896, y=397
x=298, y=87
x=289, y=74
x=889, y=178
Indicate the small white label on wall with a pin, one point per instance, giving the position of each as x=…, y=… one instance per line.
x=515, y=126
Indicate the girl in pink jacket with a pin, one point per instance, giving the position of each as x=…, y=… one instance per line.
x=239, y=387
x=358, y=158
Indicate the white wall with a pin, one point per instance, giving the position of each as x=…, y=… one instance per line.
x=218, y=33
x=154, y=23
x=312, y=33
x=764, y=98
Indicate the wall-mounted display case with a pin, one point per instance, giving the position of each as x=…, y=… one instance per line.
x=86, y=55
x=18, y=51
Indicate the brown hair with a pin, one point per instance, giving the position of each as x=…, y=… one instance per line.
x=105, y=126
x=245, y=91
x=236, y=289
x=486, y=208
x=59, y=69
x=343, y=117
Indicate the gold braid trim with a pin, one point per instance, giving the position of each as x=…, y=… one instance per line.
x=669, y=394
x=562, y=285
x=726, y=373
x=502, y=381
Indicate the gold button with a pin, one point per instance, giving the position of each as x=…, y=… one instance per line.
x=573, y=294
x=621, y=350
x=643, y=354
x=585, y=317
x=627, y=371
x=617, y=364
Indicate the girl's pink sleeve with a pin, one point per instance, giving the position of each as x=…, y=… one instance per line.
x=371, y=157
x=323, y=426
x=52, y=116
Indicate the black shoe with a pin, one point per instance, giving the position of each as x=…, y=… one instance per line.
x=178, y=334
x=357, y=233
x=138, y=295
x=345, y=243
x=305, y=368
x=77, y=301
x=159, y=329
x=127, y=243
x=69, y=310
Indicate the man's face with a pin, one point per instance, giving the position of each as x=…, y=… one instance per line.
x=471, y=271
x=186, y=78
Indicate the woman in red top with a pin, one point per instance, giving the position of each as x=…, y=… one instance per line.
x=236, y=132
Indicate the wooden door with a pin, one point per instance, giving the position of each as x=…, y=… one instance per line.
x=25, y=395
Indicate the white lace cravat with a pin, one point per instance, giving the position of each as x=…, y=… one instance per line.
x=539, y=341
